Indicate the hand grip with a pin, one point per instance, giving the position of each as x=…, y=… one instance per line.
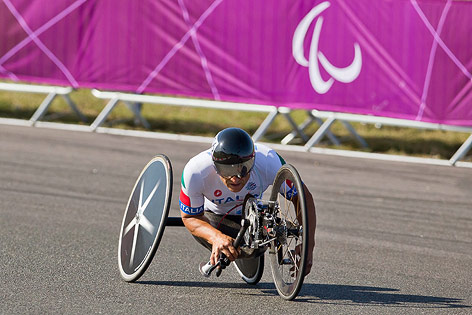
x=207, y=268
x=244, y=225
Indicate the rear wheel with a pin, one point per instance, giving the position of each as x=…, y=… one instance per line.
x=288, y=253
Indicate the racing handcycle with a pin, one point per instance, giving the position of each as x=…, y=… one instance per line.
x=278, y=227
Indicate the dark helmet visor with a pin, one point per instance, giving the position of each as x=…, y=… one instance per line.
x=230, y=170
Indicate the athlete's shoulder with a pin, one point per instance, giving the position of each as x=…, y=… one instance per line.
x=197, y=169
x=264, y=152
x=200, y=162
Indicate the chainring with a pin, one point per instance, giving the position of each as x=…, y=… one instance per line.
x=250, y=213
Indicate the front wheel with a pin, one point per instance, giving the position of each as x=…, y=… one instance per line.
x=288, y=252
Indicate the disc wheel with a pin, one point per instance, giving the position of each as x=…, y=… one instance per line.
x=251, y=269
x=288, y=253
x=145, y=218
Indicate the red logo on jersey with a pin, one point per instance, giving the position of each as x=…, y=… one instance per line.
x=218, y=193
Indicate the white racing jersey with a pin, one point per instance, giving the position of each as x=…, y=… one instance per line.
x=202, y=188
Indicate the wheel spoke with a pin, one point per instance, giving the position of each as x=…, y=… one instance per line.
x=292, y=257
x=133, y=247
x=143, y=207
x=147, y=225
x=130, y=226
x=141, y=196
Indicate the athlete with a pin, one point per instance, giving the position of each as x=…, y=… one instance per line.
x=214, y=185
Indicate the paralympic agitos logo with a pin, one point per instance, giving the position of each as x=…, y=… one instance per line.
x=317, y=58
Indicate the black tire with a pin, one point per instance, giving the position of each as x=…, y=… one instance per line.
x=292, y=233
x=145, y=218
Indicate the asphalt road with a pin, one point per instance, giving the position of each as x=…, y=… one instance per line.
x=391, y=238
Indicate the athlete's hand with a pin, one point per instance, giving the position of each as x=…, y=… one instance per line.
x=223, y=244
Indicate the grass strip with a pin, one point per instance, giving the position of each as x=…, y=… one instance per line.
x=207, y=122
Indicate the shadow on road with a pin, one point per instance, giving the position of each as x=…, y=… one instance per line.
x=367, y=295
x=334, y=294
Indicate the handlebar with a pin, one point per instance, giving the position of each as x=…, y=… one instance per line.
x=207, y=268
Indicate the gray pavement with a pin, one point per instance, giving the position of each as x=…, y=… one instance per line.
x=392, y=238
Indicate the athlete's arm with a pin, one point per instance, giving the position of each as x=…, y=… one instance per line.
x=199, y=226
x=310, y=208
x=191, y=201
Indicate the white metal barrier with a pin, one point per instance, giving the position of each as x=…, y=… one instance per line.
x=331, y=117
x=51, y=91
x=129, y=99
x=323, y=118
